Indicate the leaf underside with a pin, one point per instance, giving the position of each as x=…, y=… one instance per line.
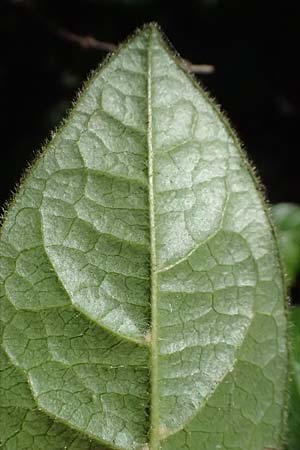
x=142, y=302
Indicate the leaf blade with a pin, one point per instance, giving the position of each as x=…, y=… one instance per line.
x=247, y=252
x=143, y=209
x=86, y=365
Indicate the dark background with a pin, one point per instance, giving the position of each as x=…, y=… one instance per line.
x=253, y=44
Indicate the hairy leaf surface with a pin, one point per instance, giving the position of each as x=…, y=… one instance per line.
x=142, y=302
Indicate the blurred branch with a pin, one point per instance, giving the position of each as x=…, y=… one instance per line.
x=89, y=42
x=86, y=42
x=203, y=69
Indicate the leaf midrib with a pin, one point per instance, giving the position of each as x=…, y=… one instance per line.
x=154, y=398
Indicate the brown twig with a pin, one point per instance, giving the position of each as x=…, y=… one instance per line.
x=89, y=42
x=203, y=69
x=86, y=42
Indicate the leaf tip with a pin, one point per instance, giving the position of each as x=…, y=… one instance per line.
x=150, y=28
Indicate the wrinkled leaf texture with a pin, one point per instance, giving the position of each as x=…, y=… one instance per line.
x=142, y=301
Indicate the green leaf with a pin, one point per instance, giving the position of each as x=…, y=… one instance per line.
x=142, y=300
x=294, y=407
x=287, y=219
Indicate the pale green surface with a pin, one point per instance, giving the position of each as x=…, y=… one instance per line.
x=141, y=212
